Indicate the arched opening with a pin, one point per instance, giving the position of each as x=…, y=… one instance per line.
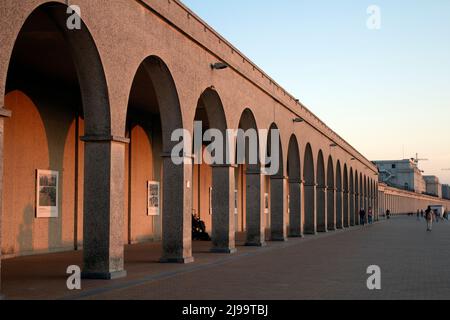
x=294, y=203
x=357, y=198
x=345, y=199
x=372, y=198
x=331, y=191
x=153, y=114
x=276, y=185
x=251, y=183
x=352, y=198
x=213, y=176
x=370, y=204
x=59, y=141
x=320, y=194
x=365, y=199
x=361, y=192
x=378, y=202
x=339, y=219
x=310, y=191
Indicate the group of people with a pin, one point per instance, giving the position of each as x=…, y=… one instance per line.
x=362, y=216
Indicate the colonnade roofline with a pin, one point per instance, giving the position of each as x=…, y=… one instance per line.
x=246, y=69
x=382, y=187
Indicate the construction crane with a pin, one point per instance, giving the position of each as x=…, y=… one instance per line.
x=417, y=159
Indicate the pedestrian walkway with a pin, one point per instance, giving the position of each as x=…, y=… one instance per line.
x=413, y=265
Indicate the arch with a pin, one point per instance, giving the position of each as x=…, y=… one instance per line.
x=365, y=199
x=357, y=198
x=372, y=197
x=320, y=194
x=331, y=214
x=294, y=175
x=74, y=69
x=345, y=213
x=277, y=186
x=310, y=191
x=154, y=105
x=214, y=174
x=352, y=198
x=254, y=187
x=361, y=192
x=339, y=218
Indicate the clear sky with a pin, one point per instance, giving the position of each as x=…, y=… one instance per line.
x=386, y=91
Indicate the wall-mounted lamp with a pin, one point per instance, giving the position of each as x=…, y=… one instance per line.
x=333, y=145
x=297, y=120
x=219, y=66
x=353, y=159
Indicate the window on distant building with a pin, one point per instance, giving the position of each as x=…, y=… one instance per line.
x=394, y=166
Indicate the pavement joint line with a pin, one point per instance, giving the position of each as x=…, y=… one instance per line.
x=169, y=274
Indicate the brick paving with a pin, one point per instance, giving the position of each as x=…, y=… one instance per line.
x=414, y=265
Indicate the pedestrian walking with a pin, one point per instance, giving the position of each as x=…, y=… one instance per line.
x=388, y=214
x=370, y=215
x=362, y=217
x=421, y=213
x=429, y=218
x=418, y=215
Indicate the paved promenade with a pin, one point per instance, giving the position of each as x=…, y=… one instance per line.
x=414, y=265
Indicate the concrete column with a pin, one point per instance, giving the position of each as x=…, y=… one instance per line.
x=366, y=206
x=177, y=211
x=346, y=211
x=104, y=166
x=278, y=208
x=352, y=208
x=310, y=226
x=361, y=202
x=254, y=208
x=377, y=206
x=331, y=209
x=3, y=115
x=339, y=219
x=223, y=228
x=295, y=209
x=321, y=209
x=357, y=207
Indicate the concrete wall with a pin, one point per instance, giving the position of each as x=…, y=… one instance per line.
x=38, y=137
x=146, y=165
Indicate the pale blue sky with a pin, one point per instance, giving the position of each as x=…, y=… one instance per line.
x=387, y=92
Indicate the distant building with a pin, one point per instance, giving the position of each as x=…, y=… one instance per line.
x=402, y=174
x=433, y=186
x=446, y=191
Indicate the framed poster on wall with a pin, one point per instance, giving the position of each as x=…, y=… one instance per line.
x=153, y=196
x=47, y=194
